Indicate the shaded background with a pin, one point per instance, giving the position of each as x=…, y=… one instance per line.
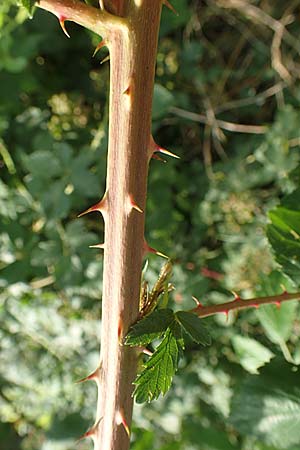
x=227, y=101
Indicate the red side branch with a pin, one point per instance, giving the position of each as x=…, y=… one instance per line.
x=239, y=303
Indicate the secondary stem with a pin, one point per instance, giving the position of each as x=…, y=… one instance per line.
x=101, y=22
x=239, y=303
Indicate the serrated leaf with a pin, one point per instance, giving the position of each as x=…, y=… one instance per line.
x=28, y=4
x=194, y=327
x=160, y=368
x=267, y=406
x=149, y=328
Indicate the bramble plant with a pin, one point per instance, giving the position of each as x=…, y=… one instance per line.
x=142, y=337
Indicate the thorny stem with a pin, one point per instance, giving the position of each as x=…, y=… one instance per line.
x=132, y=55
x=239, y=303
x=131, y=37
x=132, y=43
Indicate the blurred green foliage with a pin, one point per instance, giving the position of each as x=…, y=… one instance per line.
x=208, y=211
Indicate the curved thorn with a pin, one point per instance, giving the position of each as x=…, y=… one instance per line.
x=199, y=304
x=148, y=249
x=167, y=152
x=133, y=205
x=120, y=420
x=127, y=91
x=62, y=20
x=155, y=148
x=236, y=296
x=96, y=207
x=161, y=254
x=97, y=246
x=99, y=46
x=168, y=5
x=284, y=291
x=91, y=432
x=146, y=351
x=107, y=58
x=100, y=207
x=93, y=376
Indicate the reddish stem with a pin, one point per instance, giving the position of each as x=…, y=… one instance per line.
x=239, y=303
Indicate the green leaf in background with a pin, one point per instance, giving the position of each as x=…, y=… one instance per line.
x=211, y=438
x=194, y=327
x=171, y=21
x=143, y=440
x=284, y=234
x=268, y=406
x=53, y=142
x=277, y=322
x=162, y=101
x=251, y=354
x=160, y=368
x=28, y=4
x=149, y=328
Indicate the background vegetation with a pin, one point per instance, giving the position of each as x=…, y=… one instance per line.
x=227, y=101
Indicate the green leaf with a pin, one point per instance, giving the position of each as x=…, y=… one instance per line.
x=158, y=371
x=268, y=406
x=277, y=322
x=162, y=101
x=42, y=164
x=251, y=354
x=212, y=438
x=28, y=4
x=149, y=328
x=171, y=21
x=286, y=219
x=194, y=327
x=284, y=234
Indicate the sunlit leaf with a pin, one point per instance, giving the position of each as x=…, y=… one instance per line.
x=194, y=327
x=156, y=377
x=268, y=406
x=251, y=353
x=277, y=321
x=284, y=234
x=150, y=328
x=28, y=4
